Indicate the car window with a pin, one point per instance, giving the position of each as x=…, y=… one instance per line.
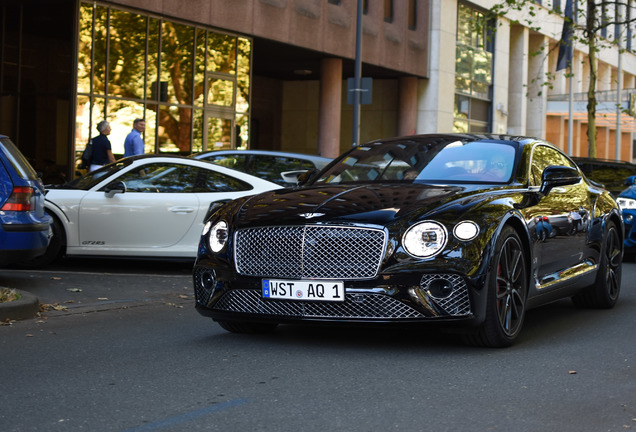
x=161, y=177
x=211, y=181
x=20, y=164
x=271, y=167
x=91, y=179
x=234, y=161
x=475, y=161
x=542, y=157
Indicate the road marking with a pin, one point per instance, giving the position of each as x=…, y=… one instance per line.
x=192, y=415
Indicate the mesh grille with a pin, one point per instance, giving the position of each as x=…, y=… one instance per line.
x=306, y=252
x=360, y=306
x=458, y=302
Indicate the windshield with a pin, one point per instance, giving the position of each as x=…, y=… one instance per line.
x=89, y=180
x=426, y=162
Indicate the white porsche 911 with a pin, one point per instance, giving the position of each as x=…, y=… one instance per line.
x=141, y=206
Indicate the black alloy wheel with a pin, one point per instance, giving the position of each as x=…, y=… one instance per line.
x=507, y=292
x=606, y=289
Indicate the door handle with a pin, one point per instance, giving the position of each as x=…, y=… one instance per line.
x=181, y=209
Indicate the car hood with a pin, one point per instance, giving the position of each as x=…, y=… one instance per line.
x=372, y=204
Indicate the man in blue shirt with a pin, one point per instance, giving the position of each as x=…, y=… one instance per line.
x=134, y=143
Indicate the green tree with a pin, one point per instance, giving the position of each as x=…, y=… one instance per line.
x=591, y=21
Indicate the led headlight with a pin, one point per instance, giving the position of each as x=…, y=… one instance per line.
x=466, y=230
x=425, y=239
x=217, y=236
x=626, y=203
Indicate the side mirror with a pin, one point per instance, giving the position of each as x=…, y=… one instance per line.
x=306, y=176
x=556, y=175
x=114, y=188
x=631, y=180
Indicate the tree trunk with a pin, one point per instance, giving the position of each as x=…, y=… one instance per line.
x=591, y=91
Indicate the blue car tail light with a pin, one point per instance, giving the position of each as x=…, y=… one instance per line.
x=21, y=200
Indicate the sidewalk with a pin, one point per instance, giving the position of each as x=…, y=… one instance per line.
x=67, y=292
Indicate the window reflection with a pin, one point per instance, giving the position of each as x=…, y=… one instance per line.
x=126, y=56
x=175, y=76
x=473, y=70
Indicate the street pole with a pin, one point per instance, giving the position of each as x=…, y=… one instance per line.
x=357, y=78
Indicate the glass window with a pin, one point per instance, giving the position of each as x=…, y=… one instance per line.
x=174, y=129
x=544, y=156
x=127, y=54
x=161, y=178
x=210, y=181
x=388, y=10
x=412, y=14
x=177, y=55
x=272, y=167
x=189, y=83
x=221, y=53
x=234, y=161
x=473, y=71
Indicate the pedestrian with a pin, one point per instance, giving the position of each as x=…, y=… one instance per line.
x=134, y=143
x=102, y=151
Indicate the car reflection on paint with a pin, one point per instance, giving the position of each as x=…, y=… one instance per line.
x=627, y=202
x=465, y=231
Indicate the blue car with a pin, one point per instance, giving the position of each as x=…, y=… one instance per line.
x=25, y=228
x=627, y=202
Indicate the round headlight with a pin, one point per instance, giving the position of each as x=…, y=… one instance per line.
x=466, y=230
x=425, y=239
x=217, y=237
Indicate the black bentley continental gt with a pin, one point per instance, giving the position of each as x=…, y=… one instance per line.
x=468, y=231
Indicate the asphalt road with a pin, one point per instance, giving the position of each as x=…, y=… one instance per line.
x=122, y=349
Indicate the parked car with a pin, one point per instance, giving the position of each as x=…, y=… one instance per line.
x=627, y=202
x=141, y=206
x=25, y=228
x=609, y=173
x=282, y=168
x=420, y=229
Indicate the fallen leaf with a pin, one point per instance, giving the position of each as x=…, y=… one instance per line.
x=572, y=372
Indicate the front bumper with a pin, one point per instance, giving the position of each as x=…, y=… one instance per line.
x=406, y=297
x=629, y=218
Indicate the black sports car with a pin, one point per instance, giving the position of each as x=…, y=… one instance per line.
x=464, y=230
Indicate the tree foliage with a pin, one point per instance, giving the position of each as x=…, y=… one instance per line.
x=597, y=24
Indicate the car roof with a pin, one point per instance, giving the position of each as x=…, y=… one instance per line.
x=265, y=152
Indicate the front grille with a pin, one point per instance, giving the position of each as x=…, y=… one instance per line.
x=309, y=252
x=355, y=306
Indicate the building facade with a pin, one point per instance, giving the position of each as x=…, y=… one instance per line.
x=275, y=74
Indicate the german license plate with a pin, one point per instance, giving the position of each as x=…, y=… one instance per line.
x=306, y=290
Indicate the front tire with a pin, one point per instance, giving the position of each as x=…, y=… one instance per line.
x=507, y=292
x=606, y=289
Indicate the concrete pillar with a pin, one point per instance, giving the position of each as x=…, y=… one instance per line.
x=407, y=106
x=537, y=100
x=436, y=100
x=518, y=80
x=330, y=107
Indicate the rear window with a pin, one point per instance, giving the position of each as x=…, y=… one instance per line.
x=20, y=164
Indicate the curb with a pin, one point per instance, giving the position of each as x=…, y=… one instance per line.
x=27, y=307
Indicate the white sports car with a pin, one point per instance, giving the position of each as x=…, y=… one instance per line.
x=141, y=206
